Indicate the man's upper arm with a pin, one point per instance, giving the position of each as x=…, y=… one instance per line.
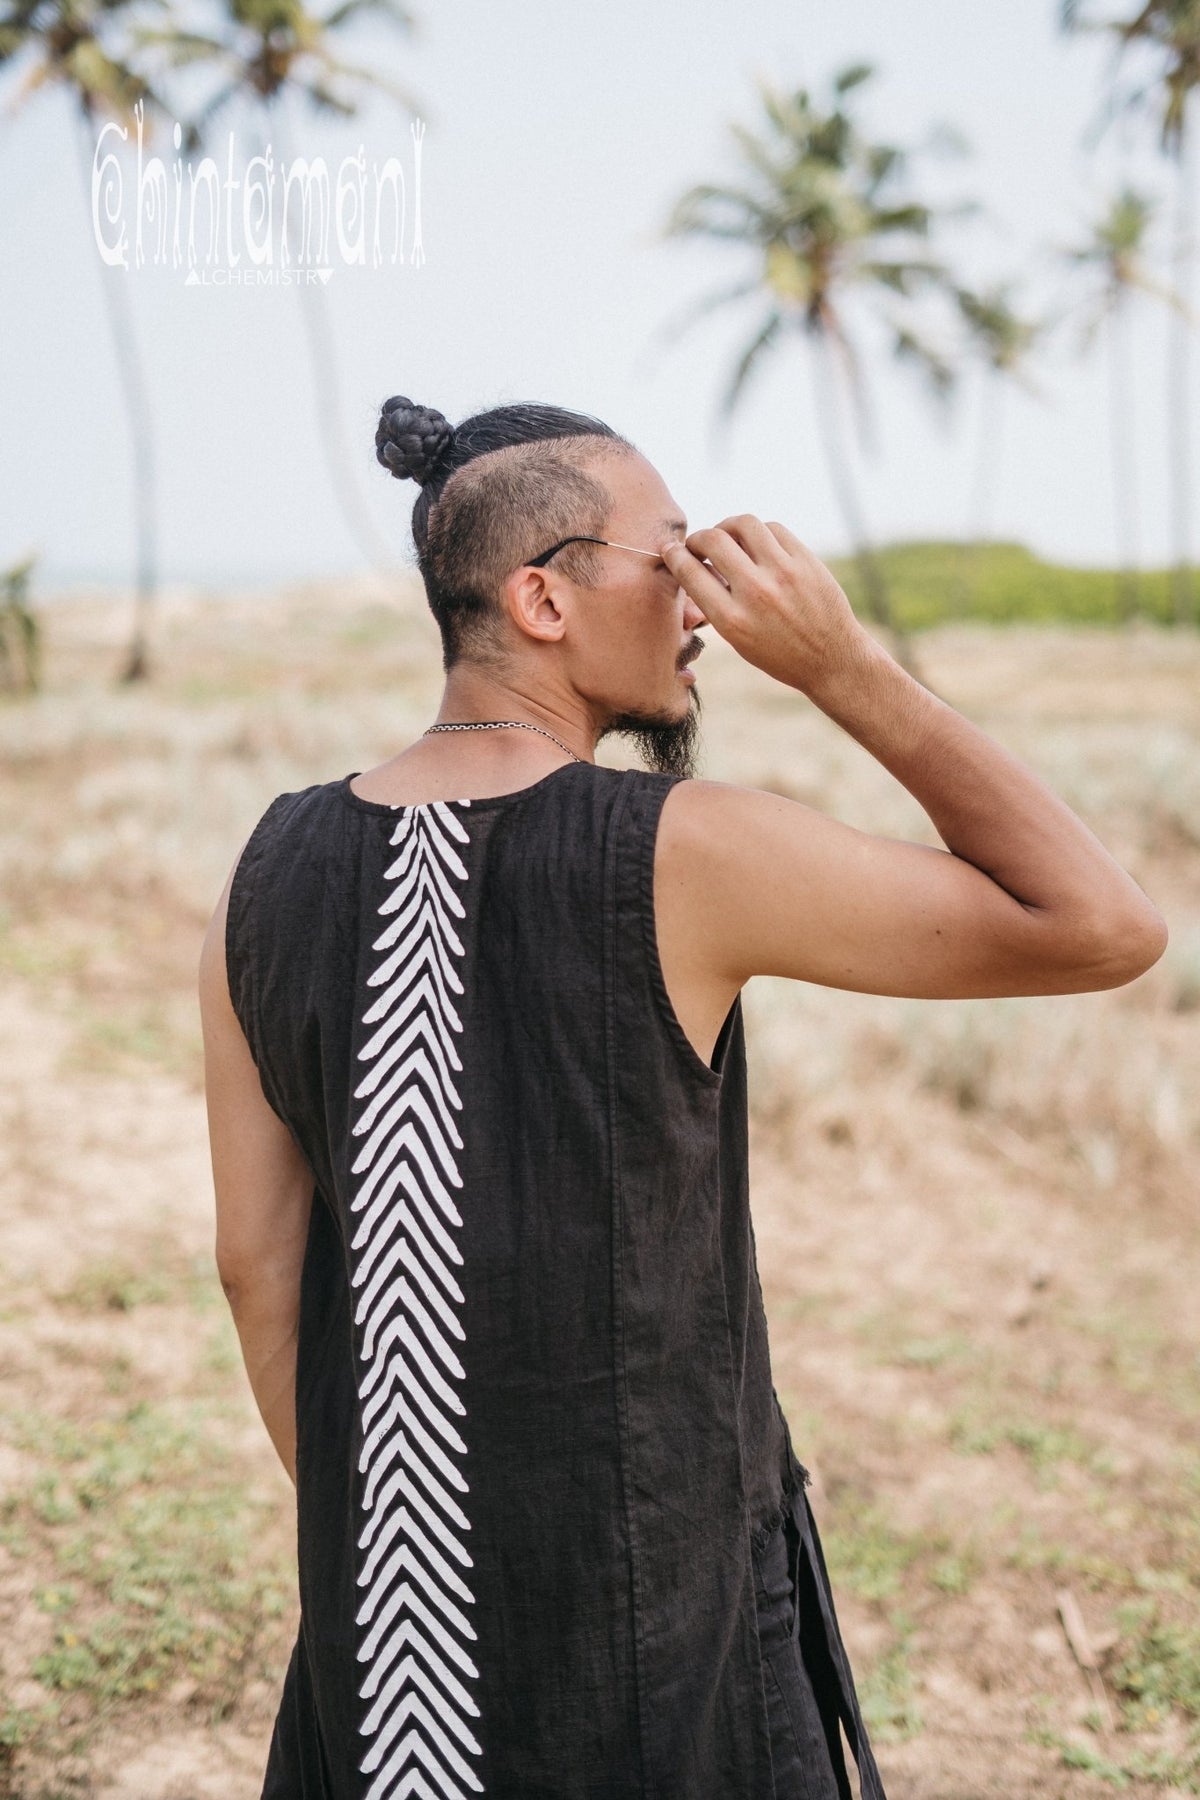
x=773, y=887
x=263, y=1184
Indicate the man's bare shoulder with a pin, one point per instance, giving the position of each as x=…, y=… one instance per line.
x=719, y=857
x=705, y=823
x=699, y=796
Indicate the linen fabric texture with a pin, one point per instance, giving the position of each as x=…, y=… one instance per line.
x=553, y=1537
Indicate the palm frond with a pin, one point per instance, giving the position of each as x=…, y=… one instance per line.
x=674, y=328
x=180, y=48
x=20, y=13
x=884, y=162
x=749, y=360
x=829, y=211
x=404, y=98
x=1170, y=296
x=337, y=70
x=1170, y=27
x=689, y=217
x=851, y=77
x=350, y=9
x=1142, y=23
x=40, y=75
x=909, y=346
x=196, y=129
x=906, y=276
x=951, y=211
x=914, y=217
x=323, y=98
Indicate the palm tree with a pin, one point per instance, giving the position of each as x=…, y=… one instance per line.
x=831, y=224
x=69, y=45
x=1002, y=340
x=1170, y=30
x=268, y=50
x=20, y=633
x=1114, y=257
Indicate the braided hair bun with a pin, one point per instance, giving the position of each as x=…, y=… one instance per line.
x=413, y=442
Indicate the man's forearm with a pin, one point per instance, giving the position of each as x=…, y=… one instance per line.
x=989, y=808
x=266, y=1323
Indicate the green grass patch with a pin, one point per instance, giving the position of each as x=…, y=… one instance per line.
x=868, y=1556
x=114, y=1042
x=1033, y=1554
x=114, y=1286
x=873, y=1559
x=1154, y=1675
x=372, y=626
x=1179, y=1770
x=865, y=1553
x=933, y=1352
x=1044, y=1445
x=158, y=1276
x=889, y=1339
x=957, y=1571
x=887, y=1692
x=1158, y=1669
x=934, y=583
x=151, y=1563
x=887, y=1701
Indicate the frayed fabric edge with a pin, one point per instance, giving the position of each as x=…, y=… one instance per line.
x=798, y=1480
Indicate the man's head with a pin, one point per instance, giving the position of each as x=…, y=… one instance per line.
x=596, y=631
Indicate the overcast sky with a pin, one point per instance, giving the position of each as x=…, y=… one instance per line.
x=556, y=138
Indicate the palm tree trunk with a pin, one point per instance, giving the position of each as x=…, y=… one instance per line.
x=1125, y=510
x=341, y=459
x=876, y=596
x=114, y=283
x=1178, y=381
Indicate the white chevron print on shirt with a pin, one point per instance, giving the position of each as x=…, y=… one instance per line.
x=413, y=1561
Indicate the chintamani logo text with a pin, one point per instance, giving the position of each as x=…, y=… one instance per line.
x=257, y=225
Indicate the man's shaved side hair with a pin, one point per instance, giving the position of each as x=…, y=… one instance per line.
x=498, y=511
x=498, y=489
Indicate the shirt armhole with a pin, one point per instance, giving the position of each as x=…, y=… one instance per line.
x=241, y=945
x=655, y=790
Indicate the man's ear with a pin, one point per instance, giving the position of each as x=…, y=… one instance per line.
x=529, y=599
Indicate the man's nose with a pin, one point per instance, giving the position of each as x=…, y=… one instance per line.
x=692, y=616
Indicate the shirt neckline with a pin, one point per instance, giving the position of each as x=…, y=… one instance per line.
x=475, y=802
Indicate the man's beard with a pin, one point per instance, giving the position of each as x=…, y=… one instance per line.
x=667, y=746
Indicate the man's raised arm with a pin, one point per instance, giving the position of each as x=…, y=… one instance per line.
x=1024, y=900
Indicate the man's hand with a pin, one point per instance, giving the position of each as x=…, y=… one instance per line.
x=771, y=598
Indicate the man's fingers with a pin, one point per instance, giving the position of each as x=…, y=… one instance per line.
x=705, y=585
x=734, y=558
x=787, y=538
x=719, y=547
x=757, y=539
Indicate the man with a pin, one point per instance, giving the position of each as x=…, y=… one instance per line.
x=476, y=1087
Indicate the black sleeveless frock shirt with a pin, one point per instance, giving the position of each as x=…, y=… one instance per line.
x=553, y=1538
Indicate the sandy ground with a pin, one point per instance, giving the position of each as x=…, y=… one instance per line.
x=976, y=1224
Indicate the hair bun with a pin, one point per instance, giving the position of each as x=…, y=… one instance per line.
x=412, y=441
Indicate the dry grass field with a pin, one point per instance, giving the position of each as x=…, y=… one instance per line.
x=976, y=1223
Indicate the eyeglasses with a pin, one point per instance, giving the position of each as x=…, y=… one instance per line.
x=537, y=562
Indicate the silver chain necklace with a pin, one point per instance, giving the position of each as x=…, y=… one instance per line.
x=492, y=724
